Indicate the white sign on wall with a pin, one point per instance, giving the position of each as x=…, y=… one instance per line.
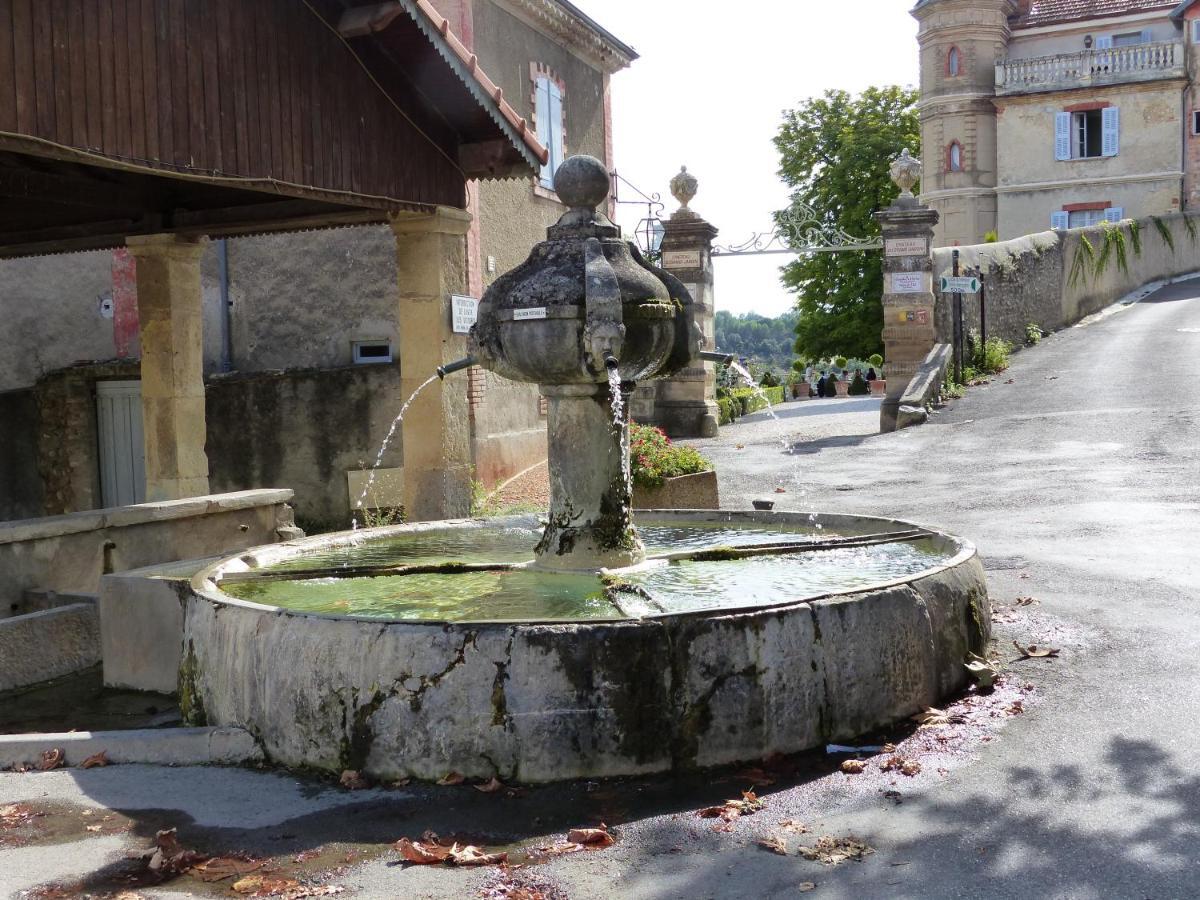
x=532, y=312
x=909, y=246
x=907, y=283
x=465, y=312
x=681, y=259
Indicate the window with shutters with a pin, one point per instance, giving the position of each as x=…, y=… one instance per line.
x=1131, y=38
x=1082, y=218
x=953, y=62
x=1087, y=134
x=1196, y=31
x=548, y=94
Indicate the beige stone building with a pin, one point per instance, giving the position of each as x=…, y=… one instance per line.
x=311, y=339
x=1040, y=114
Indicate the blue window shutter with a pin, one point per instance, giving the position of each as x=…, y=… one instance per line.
x=1062, y=135
x=1114, y=214
x=1104, y=42
x=1147, y=37
x=1111, y=121
x=556, y=126
x=541, y=113
x=1060, y=221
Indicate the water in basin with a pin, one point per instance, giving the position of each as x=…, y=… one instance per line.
x=527, y=595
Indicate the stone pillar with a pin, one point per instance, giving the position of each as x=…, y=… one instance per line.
x=685, y=405
x=908, y=299
x=431, y=264
x=170, y=314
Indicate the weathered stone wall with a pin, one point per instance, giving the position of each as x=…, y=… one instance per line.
x=1029, y=279
x=20, y=482
x=304, y=430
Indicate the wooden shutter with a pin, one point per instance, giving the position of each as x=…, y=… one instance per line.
x=1111, y=121
x=1060, y=221
x=556, y=126
x=1114, y=214
x=541, y=112
x=1062, y=135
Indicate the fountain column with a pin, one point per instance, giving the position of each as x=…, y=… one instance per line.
x=170, y=315
x=590, y=524
x=431, y=264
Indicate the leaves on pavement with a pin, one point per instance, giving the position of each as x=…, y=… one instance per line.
x=430, y=851
x=732, y=809
x=221, y=867
x=775, y=844
x=834, y=850
x=352, y=780
x=51, y=759
x=853, y=766
x=909, y=767
x=451, y=778
x=1033, y=651
x=591, y=837
x=490, y=787
x=96, y=760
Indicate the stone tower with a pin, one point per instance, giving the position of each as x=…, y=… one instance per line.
x=960, y=43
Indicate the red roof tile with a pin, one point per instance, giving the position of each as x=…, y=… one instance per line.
x=1052, y=12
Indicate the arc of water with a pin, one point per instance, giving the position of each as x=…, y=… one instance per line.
x=362, y=498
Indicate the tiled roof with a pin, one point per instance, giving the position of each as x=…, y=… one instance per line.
x=1052, y=12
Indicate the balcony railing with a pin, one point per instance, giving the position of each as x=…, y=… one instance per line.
x=1091, y=68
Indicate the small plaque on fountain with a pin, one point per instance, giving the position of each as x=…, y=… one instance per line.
x=533, y=312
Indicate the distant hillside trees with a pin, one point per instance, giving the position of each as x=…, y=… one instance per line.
x=835, y=152
x=760, y=339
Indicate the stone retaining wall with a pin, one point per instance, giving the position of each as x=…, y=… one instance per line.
x=1029, y=279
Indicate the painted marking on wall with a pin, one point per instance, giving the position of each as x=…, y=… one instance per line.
x=125, y=311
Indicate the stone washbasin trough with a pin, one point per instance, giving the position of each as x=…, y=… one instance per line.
x=585, y=644
x=750, y=668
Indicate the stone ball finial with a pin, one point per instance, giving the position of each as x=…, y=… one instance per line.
x=683, y=187
x=582, y=181
x=905, y=172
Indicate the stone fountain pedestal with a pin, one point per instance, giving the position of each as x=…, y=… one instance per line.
x=590, y=523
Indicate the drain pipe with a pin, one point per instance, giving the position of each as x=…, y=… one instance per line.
x=226, y=323
x=716, y=356
x=450, y=368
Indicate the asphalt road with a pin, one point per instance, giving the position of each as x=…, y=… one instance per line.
x=1077, y=474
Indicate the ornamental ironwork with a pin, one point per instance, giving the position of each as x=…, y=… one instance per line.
x=799, y=229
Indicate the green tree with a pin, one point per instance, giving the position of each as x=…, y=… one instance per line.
x=835, y=151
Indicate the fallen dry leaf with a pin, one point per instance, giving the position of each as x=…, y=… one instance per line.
x=265, y=886
x=353, y=781
x=732, y=809
x=93, y=828
x=402, y=782
x=221, y=867
x=95, y=760
x=853, y=766
x=932, y=718
x=775, y=844
x=51, y=759
x=422, y=853
x=781, y=490
x=831, y=851
x=490, y=787
x=473, y=856
x=1033, y=651
x=909, y=767
x=1026, y=601
x=167, y=856
x=805, y=886
x=451, y=778
x=591, y=837
x=794, y=825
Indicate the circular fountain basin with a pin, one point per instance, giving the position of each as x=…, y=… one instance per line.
x=418, y=650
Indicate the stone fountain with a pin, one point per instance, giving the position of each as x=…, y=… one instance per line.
x=581, y=646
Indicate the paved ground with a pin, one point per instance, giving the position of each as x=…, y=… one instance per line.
x=1077, y=475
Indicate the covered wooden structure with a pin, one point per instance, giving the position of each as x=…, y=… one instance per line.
x=157, y=123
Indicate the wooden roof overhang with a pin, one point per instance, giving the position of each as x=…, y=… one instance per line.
x=226, y=118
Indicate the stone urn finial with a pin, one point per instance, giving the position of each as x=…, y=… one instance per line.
x=906, y=171
x=683, y=188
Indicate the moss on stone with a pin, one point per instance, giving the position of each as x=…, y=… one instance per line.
x=191, y=705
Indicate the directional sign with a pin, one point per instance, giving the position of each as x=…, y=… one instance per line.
x=960, y=285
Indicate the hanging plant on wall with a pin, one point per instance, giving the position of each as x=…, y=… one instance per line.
x=1164, y=232
x=1112, y=246
x=1083, y=261
x=1190, y=226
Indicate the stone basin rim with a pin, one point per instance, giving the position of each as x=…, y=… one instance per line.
x=206, y=582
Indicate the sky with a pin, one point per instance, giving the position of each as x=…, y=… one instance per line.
x=709, y=92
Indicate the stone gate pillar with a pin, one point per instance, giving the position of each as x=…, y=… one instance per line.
x=170, y=314
x=908, y=298
x=685, y=404
x=431, y=264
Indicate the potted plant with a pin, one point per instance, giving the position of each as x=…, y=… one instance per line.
x=799, y=385
x=668, y=476
x=879, y=385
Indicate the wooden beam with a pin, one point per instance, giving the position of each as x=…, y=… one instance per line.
x=25, y=184
x=491, y=159
x=360, y=21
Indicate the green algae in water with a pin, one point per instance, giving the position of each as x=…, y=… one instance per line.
x=548, y=596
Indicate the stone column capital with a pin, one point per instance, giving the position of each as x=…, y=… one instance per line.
x=176, y=246
x=441, y=220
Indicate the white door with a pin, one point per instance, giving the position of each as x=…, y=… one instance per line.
x=122, y=448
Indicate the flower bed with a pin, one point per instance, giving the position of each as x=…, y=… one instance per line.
x=653, y=458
